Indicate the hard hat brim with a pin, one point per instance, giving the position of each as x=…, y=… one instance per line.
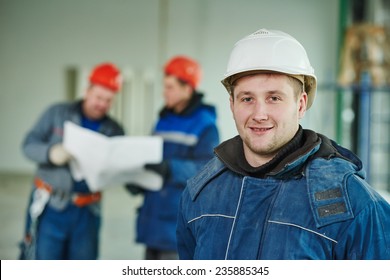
x=310, y=82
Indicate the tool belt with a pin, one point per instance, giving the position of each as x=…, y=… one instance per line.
x=78, y=199
x=84, y=199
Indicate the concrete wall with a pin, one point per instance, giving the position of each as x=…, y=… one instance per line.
x=41, y=40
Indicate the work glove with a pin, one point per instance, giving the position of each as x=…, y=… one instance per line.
x=58, y=155
x=134, y=189
x=160, y=168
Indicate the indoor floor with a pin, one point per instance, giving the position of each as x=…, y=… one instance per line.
x=118, y=224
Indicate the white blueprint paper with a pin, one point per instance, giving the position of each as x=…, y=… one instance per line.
x=107, y=161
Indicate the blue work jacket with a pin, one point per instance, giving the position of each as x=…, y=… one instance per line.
x=49, y=130
x=189, y=140
x=327, y=211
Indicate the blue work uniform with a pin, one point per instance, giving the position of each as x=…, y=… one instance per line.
x=63, y=230
x=310, y=202
x=189, y=140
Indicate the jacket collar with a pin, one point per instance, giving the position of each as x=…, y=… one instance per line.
x=301, y=146
x=313, y=146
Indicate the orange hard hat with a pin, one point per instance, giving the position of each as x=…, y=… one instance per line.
x=185, y=69
x=107, y=75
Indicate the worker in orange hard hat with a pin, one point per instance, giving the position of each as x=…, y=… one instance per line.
x=188, y=127
x=63, y=215
x=186, y=69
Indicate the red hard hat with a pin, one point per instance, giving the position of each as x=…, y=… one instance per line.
x=107, y=75
x=184, y=68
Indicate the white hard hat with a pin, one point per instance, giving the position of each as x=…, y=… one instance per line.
x=271, y=51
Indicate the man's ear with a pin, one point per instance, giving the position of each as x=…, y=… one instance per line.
x=302, y=105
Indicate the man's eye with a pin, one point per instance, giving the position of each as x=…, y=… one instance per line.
x=274, y=98
x=247, y=99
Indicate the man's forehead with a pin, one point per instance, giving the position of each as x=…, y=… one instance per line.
x=261, y=77
x=264, y=82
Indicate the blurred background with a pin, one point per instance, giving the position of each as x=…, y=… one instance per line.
x=47, y=48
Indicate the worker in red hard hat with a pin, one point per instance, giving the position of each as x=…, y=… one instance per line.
x=63, y=217
x=105, y=81
x=188, y=127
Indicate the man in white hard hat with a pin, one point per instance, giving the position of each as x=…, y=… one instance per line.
x=278, y=191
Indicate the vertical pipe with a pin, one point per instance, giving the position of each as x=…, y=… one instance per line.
x=364, y=121
x=343, y=10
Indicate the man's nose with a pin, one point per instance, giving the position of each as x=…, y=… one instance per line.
x=260, y=112
x=104, y=104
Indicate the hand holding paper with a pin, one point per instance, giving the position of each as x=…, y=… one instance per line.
x=58, y=155
x=105, y=161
